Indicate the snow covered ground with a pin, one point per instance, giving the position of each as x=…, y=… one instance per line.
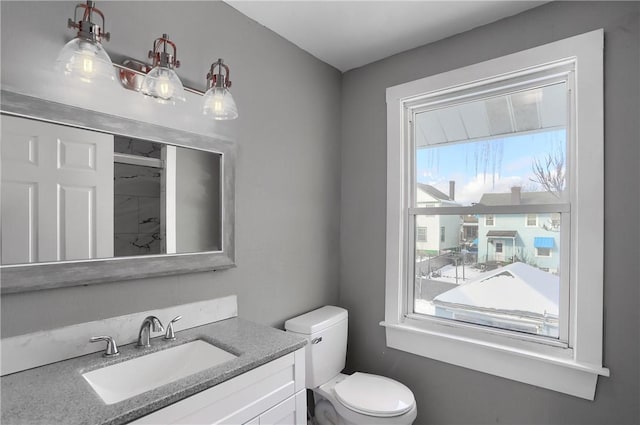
x=448, y=274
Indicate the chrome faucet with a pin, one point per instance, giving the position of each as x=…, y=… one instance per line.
x=112, y=347
x=149, y=324
x=170, y=334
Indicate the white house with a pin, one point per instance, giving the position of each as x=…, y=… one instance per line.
x=436, y=233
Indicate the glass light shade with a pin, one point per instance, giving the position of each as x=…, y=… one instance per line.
x=86, y=61
x=219, y=103
x=163, y=84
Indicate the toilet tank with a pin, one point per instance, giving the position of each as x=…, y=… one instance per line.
x=326, y=351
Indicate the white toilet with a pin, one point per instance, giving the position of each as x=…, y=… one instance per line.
x=358, y=399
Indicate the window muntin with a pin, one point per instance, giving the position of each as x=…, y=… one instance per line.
x=421, y=234
x=521, y=170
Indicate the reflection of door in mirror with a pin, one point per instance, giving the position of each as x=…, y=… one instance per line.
x=57, y=192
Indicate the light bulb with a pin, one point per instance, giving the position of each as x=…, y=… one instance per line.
x=165, y=88
x=218, y=103
x=87, y=65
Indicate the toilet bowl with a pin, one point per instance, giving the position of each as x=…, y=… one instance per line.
x=358, y=399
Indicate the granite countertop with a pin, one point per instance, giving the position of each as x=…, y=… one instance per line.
x=58, y=394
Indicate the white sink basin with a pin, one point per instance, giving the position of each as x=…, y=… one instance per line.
x=136, y=376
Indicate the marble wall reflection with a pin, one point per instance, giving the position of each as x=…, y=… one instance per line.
x=137, y=147
x=137, y=202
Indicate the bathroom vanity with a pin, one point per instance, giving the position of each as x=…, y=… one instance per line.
x=270, y=394
x=263, y=384
x=57, y=376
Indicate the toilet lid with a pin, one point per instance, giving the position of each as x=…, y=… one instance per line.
x=374, y=395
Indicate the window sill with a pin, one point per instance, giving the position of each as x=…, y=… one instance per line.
x=556, y=373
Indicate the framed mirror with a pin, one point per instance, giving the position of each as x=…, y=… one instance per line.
x=90, y=198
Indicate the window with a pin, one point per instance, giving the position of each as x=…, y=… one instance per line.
x=421, y=234
x=543, y=252
x=554, y=221
x=532, y=219
x=465, y=139
x=504, y=133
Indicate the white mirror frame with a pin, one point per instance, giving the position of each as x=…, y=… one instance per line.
x=37, y=276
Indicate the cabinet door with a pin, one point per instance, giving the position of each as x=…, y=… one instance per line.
x=292, y=411
x=242, y=398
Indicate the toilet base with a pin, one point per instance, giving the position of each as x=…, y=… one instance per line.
x=325, y=414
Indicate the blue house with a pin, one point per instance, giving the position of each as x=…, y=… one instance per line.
x=529, y=238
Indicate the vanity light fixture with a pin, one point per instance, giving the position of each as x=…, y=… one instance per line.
x=162, y=82
x=218, y=101
x=84, y=58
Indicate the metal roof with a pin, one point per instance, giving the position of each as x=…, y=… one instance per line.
x=526, y=198
x=515, y=113
x=502, y=233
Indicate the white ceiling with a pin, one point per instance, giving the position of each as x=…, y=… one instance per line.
x=350, y=34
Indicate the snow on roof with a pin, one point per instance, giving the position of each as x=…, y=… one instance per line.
x=515, y=288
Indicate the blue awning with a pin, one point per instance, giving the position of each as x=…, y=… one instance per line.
x=543, y=242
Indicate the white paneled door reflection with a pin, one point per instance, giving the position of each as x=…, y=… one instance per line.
x=57, y=192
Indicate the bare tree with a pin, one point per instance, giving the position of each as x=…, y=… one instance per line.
x=550, y=173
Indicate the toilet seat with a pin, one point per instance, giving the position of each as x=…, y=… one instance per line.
x=374, y=395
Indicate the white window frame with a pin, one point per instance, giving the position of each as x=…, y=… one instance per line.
x=418, y=232
x=493, y=220
x=543, y=256
x=526, y=220
x=572, y=367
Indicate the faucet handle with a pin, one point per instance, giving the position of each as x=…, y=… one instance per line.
x=112, y=347
x=170, y=335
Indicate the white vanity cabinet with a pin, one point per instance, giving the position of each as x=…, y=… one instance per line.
x=271, y=394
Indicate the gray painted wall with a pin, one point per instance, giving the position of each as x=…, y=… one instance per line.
x=197, y=201
x=450, y=394
x=291, y=216
x=288, y=162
